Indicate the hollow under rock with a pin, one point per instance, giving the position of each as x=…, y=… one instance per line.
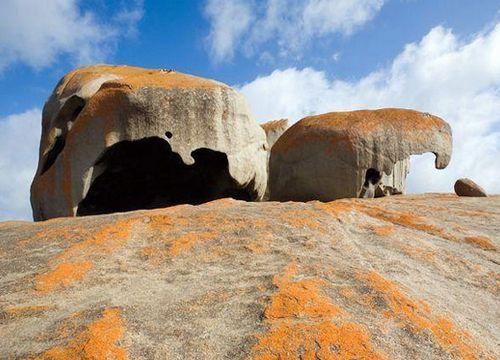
x=146, y=174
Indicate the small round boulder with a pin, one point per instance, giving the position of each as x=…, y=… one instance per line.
x=467, y=187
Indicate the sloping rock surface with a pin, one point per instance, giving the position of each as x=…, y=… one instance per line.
x=403, y=277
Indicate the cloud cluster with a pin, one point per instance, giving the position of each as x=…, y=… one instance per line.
x=19, y=138
x=442, y=74
x=36, y=32
x=290, y=24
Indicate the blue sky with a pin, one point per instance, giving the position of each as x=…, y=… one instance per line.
x=290, y=58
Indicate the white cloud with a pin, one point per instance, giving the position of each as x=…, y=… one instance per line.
x=457, y=80
x=229, y=20
x=19, y=138
x=291, y=24
x=36, y=32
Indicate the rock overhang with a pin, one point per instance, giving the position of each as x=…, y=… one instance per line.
x=342, y=146
x=94, y=108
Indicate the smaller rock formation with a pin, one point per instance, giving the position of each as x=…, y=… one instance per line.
x=274, y=129
x=467, y=187
x=362, y=153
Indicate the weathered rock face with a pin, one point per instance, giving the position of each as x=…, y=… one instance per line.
x=467, y=187
x=274, y=129
x=117, y=138
x=406, y=277
x=347, y=154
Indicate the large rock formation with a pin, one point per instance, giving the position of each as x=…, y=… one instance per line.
x=406, y=277
x=345, y=154
x=118, y=138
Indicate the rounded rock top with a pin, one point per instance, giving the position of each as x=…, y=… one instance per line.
x=133, y=77
x=405, y=130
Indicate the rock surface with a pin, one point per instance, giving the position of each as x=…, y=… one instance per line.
x=327, y=157
x=467, y=187
x=401, y=277
x=274, y=129
x=104, y=125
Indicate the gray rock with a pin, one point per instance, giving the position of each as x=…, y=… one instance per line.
x=346, y=154
x=400, y=277
x=118, y=138
x=467, y=187
x=274, y=129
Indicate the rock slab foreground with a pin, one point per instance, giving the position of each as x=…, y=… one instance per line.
x=390, y=278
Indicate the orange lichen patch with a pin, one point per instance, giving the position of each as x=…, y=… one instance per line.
x=348, y=293
x=299, y=298
x=301, y=219
x=132, y=77
x=320, y=340
x=346, y=128
x=188, y=241
x=302, y=325
x=405, y=219
x=417, y=317
x=337, y=208
x=23, y=311
x=383, y=230
x=419, y=253
x=63, y=275
x=105, y=241
x=483, y=242
x=73, y=263
x=97, y=342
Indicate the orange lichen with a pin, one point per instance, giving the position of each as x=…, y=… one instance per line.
x=417, y=317
x=188, y=241
x=405, y=219
x=337, y=208
x=299, y=298
x=301, y=321
x=345, y=129
x=63, y=275
x=418, y=253
x=132, y=77
x=483, y=242
x=22, y=311
x=383, y=230
x=105, y=241
x=97, y=342
x=301, y=219
x=73, y=263
x=318, y=340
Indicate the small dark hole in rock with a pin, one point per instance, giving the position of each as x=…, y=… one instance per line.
x=168, y=134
